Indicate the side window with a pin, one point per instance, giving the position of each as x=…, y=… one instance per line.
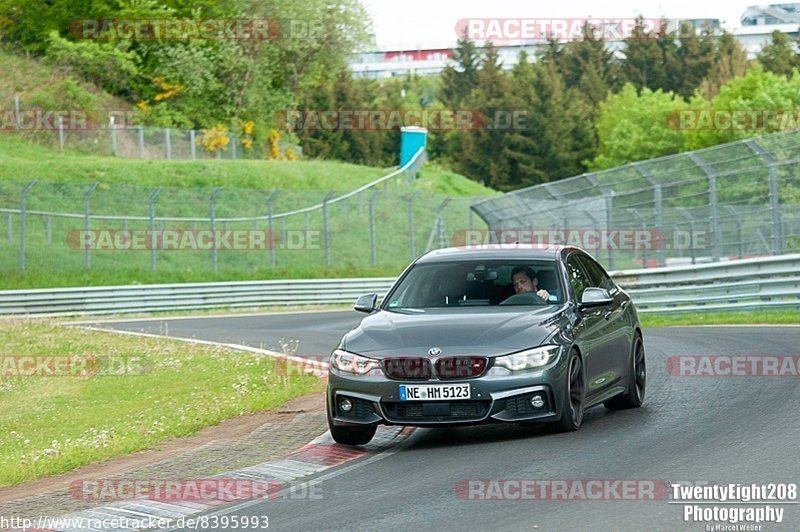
x=577, y=277
x=597, y=276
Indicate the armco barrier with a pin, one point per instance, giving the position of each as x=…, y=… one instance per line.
x=760, y=283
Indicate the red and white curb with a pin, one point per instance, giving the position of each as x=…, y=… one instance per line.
x=313, y=458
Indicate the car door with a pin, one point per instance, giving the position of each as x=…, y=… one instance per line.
x=589, y=328
x=612, y=329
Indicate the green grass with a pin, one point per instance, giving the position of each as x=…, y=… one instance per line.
x=43, y=86
x=51, y=425
x=125, y=185
x=722, y=318
x=21, y=161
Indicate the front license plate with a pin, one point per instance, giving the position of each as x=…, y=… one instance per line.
x=434, y=392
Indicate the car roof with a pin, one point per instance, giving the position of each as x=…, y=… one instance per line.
x=495, y=252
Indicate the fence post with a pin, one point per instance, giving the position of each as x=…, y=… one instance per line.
x=192, y=145
x=61, y=133
x=688, y=217
x=642, y=221
x=167, y=144
x=373, y=251
x=16, y=110
x=233, y=147
x=438, y=227
x=412, y=248
x=712, y=200
x=774, y=196
x=736, y=219
x=48, y=228
x=212, y=206
x=608, y=197
x=659, y=201
x=326, y=234
x=273, y=241
x=140, y=131
x=87, y=224
x=113, y=135
x=22, y=215
x=151, y=209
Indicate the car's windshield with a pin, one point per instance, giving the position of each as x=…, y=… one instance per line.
x=477, y=283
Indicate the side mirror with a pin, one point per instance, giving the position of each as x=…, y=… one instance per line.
x=366, y=303
x=595, y=297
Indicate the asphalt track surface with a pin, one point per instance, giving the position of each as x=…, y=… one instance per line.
x=702, y=430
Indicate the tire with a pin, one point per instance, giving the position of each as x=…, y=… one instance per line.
x=637, y=383
x=575, y=396
x=350, y=435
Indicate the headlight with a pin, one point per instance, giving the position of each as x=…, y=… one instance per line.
x=528, y=359
x=352, y=363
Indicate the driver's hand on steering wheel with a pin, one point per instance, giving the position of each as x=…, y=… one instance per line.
x=544, y=294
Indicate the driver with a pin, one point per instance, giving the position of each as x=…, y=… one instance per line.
x=524, y=280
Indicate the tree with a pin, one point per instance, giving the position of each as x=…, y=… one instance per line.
x=479, y=154
x=588, y=66
x=651, y=58
x=695, y=55
x=730, y=61
x=768, y=102
x=780, y=55
x=634, y=126
x=459, y=80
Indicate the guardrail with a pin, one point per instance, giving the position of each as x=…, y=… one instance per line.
x=748, y=284
x=761, y=283
x=189, y=296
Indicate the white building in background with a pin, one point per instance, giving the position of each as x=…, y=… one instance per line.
x=758, y=23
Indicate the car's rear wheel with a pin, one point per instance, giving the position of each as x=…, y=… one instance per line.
x=637, y=382
x=574, y=396
x=350, y=435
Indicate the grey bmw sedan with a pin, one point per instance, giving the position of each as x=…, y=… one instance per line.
x=510, y=334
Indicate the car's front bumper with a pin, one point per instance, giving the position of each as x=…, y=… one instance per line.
x=376, y=400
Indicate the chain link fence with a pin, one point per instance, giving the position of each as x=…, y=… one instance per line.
x=114, y=133
x=726, y=202
x=114, y=231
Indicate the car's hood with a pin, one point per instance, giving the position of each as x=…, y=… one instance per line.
x=462, y=332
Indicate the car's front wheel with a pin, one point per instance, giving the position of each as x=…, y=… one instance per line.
x=637, y=380
x=350, y=435
x=574, y=396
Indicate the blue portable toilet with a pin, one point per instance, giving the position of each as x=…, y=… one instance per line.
x=412, y=138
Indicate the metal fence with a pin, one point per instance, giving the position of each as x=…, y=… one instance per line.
x=730, y=201
x=749, y=284
x=67, y=228
x=114, y=133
